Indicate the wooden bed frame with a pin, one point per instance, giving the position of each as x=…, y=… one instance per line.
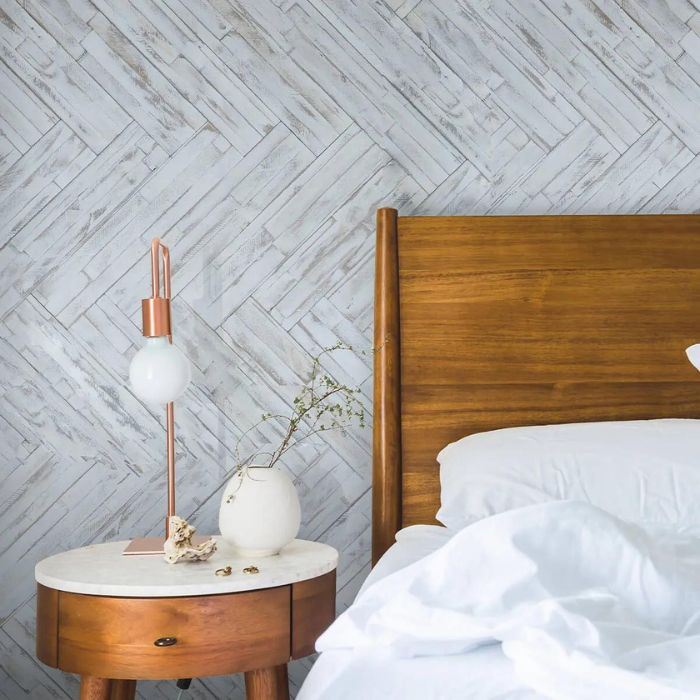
x=490, y=322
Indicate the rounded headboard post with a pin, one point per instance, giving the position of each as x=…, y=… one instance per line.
x=386, y=439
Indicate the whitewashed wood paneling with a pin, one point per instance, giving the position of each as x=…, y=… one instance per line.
x=257, y=137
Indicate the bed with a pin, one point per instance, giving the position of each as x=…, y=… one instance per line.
x=485, y=323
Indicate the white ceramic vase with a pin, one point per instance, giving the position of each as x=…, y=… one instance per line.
x=260, y=511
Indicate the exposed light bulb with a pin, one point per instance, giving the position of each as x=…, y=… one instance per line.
x=693, y=353
x=159, y=372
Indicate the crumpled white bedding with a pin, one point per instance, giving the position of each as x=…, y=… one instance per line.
x=582, y=605
x=483, y=674
x=412, y=543
x=345, y=674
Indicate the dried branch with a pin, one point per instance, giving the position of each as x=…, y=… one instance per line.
x=321, y=405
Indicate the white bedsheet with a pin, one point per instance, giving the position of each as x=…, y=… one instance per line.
x=412, y=543
x=484, y=674
x=582, y=604
x=345, y=674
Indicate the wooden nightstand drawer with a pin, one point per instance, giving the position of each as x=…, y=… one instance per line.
x=117, y=620
x=196, y=636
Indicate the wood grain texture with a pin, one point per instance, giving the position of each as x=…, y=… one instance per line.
x=267, y=684
x=114, y=637
x=93, y=688
x=509, y=321
x=386, y=442
x=47, y=622
x=258, y=137
x=102, y=637
x=313, y=610
x=123, y=690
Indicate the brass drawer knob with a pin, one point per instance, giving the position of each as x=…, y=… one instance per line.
x=165, y=641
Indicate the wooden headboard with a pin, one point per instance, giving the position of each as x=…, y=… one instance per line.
x=490, y=322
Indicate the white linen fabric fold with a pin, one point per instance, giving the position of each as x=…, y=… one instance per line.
x=412, y=543
x=643, y=471
x=482, y=674
x=585, y=605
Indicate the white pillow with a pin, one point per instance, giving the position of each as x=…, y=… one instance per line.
x=645, y=472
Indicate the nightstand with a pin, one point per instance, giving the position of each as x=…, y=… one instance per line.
x=118, y=619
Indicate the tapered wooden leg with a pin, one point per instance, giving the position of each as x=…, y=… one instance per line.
x=92, y=688
x=123, y=690
x=267, y=683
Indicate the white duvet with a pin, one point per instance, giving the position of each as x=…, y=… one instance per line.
x=583, y=604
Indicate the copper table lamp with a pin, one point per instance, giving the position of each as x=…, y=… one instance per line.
x=159, y=373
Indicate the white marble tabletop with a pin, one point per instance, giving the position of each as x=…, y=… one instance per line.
x=101, y=569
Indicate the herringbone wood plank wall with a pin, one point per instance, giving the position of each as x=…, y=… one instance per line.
x=257, y=137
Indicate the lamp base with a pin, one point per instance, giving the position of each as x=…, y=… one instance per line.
x=154, y=545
